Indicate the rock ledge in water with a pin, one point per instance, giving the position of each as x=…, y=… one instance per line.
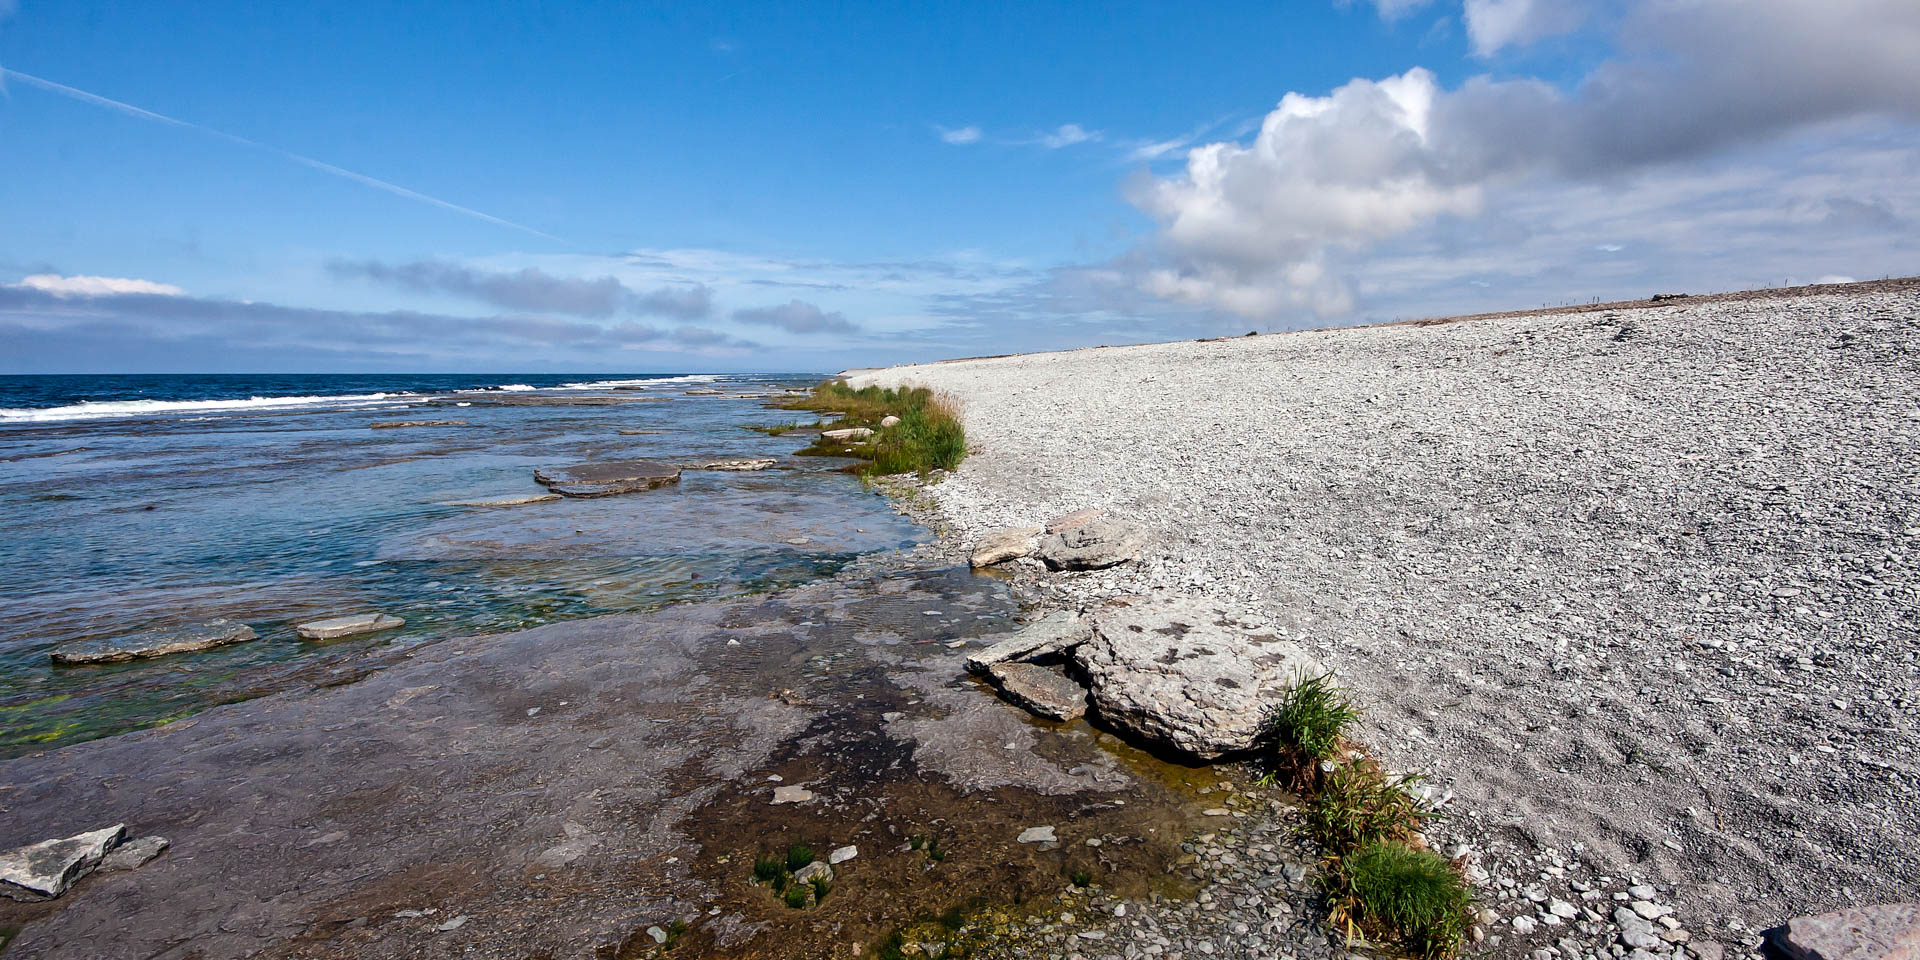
x=154, y=643
x=46, y=869
x=742, y=464
x=1042, y=691
x=1054, y=633
x=607, y=478
x=507, y=501
x=348, y=626
x=1185, y=674
x=398, y=424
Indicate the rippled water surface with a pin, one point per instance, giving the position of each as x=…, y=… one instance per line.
x=272, y=501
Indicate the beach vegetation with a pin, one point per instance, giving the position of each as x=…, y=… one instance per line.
x=1080, y=877
x=1312, y=718
x=1383, y=883
x=927, y=436
x=1404, y=895
x=797, y=894
x=798, y=856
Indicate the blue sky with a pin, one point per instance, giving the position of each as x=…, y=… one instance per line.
x=761, y=187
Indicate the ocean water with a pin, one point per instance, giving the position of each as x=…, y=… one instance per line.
x=135, y=502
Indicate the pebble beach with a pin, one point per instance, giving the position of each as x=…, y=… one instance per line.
x=1632, y=586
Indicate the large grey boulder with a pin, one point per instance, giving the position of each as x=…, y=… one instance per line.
x=1887, y=932
x=1043, y=691
x=606, y=478
x=1006, y=543
x=1186, y=674
x=348, y=626
x=1054, y=633
x=1100, y=542
x=46, y=869
x=153, y=643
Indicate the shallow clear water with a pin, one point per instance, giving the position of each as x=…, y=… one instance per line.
x=140, y=504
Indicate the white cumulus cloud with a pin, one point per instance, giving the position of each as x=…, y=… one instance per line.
x=1494, y=24
x=1264, y=227
x=84, y=286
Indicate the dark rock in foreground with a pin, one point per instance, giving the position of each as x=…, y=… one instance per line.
x=1044, y=691
x=154, y=643
x=607, y=478
x=46, y=869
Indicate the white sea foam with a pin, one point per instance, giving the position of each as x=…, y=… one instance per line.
x=639, y=382
x=122, y=409
x=516, y=387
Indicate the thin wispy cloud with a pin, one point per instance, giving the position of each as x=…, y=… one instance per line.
x=959, y=136
x=74, y=93
x=1066, y=135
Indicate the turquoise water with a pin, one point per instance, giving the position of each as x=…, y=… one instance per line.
x=125, y=511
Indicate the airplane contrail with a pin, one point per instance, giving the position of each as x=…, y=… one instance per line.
x=322, y=166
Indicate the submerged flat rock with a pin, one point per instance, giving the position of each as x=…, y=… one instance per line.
x=154, y=643
x=1043, y=691
x=46, y=869
x=401, y=424
x=349, y=626
x=607, y=478
x=508, y=501
x=743, y=464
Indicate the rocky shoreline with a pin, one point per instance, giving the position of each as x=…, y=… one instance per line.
x=1574, y=563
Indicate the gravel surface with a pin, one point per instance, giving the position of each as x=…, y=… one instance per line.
x=1635, y=588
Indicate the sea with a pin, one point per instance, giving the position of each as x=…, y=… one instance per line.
x=130, y=503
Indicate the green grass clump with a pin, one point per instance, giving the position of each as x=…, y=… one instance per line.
x=928, y=437
x=1081, y=878
x=799, y=855
x=1408, y=895
x=1312, y=718
x=1383, y=882
x=821, y=887
x=796, y=895
x=1355, y=805
x=770, y=871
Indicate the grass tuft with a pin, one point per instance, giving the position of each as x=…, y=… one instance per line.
x=1383, y=881
x=1354, y=806
x=1312, y=718
x=768, y=870
x=796, y=895
x=1081, y=877
x=1409, y=895
x=799, y=855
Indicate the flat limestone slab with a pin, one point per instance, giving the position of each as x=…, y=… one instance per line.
x=1053, y=633
x=1887, y=932
x=743, y=464
x=348, y=626
x=1006, y=543
x=46, y=869
x=1187, y=674
x=607, y=478
x=1042, y=691
x=154, y=643
x=401, y=424
x=508, y=501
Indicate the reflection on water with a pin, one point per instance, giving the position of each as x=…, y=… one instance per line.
x=277, y=517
